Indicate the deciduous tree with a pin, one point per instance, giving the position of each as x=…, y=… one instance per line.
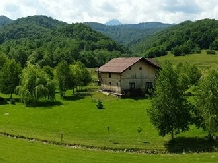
x=35, y=84
x=170, y=111
x=64, y=77
x=9, y=76
x=207, y=101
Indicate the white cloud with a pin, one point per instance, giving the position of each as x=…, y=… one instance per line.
x=127, y=11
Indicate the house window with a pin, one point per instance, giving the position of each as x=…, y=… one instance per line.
x=129, y=68
x=132, y=85
x=109, y=74
x=140, y=68
x=110, y=83
x=148, y=85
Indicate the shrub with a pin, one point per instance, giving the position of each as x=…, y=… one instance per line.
x=211, y=52
x=99, y=105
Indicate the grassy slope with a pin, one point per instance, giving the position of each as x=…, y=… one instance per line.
x=83, y=123
x=20, y=151
x=202, y=60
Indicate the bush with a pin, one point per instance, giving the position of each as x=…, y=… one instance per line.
x=99, y=105
x=213, y=52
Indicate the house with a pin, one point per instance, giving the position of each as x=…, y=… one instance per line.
x=121, y=75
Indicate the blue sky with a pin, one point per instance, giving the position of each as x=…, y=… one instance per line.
x=126, y=11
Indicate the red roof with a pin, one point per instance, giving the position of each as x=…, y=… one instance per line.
x=118, y=65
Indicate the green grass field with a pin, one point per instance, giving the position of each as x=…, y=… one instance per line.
x=22, y=151
x=82, y=123
x=203, y=60
x=78, y=118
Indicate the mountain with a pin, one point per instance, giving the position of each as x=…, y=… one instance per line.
x=4, y=21
x=185, y=38
x=46, y=41
x=129, y=34
x=113, y=22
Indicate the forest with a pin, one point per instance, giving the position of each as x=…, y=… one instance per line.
x=185, y=38
x=129, y=34
x=44, y=41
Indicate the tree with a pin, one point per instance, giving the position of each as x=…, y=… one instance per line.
x=9, y=77
x=3, y=59
x=170, y=111
x=81, y=75
x=189, y=75
x=207, y=101
x=64, y=77
x=35, y=84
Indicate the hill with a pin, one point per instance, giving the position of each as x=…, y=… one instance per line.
x=4, y=21
x=113, y=22
x=45, y=41
x=129, y=34
x=185, y=38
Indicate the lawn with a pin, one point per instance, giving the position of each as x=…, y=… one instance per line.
x=82, y=123
x=22, y=151
x=78, y=118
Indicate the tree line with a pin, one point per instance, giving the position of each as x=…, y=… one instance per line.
x=129, y=34
x=44, y=41
x=34, y=83
x=172, y=109
x=185, y=38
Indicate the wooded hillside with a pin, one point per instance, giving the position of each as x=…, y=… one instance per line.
x=45, y=41
x=129, y=34
x=185, y=38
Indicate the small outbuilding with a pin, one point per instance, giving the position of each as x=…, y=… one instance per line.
x=121, y=75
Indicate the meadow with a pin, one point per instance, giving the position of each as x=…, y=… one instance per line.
x=76, y=120
x=202, y=60
x=82, y=123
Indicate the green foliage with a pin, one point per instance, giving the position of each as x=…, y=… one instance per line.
x=185, y=38
x=3, y=59
x=64, y=77
x=189, y=75
x=35, y=84
x=9, y=76
x=44, y=41
x=170, y=111
x=156, y=52
x=206, y=101
x=129, y=34
x=80, y=73
x=4, y=21
x=99, y=105
x=213, y=52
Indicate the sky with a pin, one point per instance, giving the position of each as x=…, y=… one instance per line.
x=126, y=11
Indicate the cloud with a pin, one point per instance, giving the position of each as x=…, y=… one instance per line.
x=127, y=11
x=187, y=7
x=108, y=7
x=11, y=7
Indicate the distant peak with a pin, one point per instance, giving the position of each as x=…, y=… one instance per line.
x=113, y=22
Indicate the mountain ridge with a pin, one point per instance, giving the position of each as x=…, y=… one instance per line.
x=46, y=41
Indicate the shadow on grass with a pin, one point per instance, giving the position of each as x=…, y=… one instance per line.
x=46, y=104
x=193, y=144
x=136, y=98
x=77, y=96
